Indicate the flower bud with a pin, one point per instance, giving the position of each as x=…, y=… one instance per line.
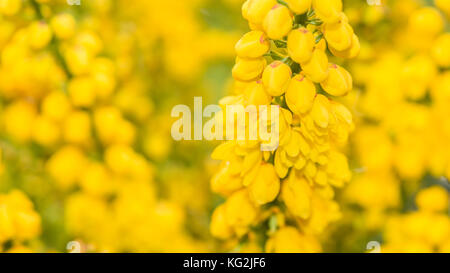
x=258, y=9
x=276, y=78
x=300, y=45
x=299, y=6
x=316, y=69
x=339, y=81
x=39, y=35
x=300, y=94
x=255, y=94
x=351, y=52
x=278, y=22
x=219, y=227
x=63, y=25
x=337, y=168
x=426, y=21
x=320, y=111
x=253, y=44
x=45, y=131
x=82, y=91
x=248, y=69
x=10, y=7
x=338, y=35
x=240, y=212
x=296, y=194
x=266, y=185
x=328, y=10
x=433, y=199
x=417, y=75
x=441, y=50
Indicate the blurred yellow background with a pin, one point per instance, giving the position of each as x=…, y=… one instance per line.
x=86, y=154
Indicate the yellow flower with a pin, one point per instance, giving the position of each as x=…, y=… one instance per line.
x=82, y=91
x=18, y=220
x=10, y=7
x=63, y=25
x=219, y=227
x=124, y=161
x=426, y=21
x=276, y=78
x=112, y=128
x=433, y=199
x=227, y=180
x=256, y=10
x=338, y=171
x=441, y=50
x=45, y=131
x=254, y=44
x=290, y=240
x=339, y=35
x=320, y=111
x=90, y=41
x=351, y=52
x=66, y=166
x=316, y=69
x=56, y=105
x=300, y=94
x=18, y=119
x=299, y=6
x=248, y=69
x=300, y=45
x=77, y=128
x=339, y=81
x=328, y=10
x=296, y=194
x=96, y=180
x=417, y=75
x=39, y=35
x=240, y=212
x=6, y=223
x=255, y=94
x=78, y=59
x=265, y=186
x=104, y=85
x=278, y=22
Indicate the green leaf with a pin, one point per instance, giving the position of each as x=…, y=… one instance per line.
x=319, y=37
x=280, y=44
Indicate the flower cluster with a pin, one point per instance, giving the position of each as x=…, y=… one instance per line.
x=283, y=199
x=423, y=231
x=19, y=222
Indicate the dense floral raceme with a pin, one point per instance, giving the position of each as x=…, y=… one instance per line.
x=283, y=200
